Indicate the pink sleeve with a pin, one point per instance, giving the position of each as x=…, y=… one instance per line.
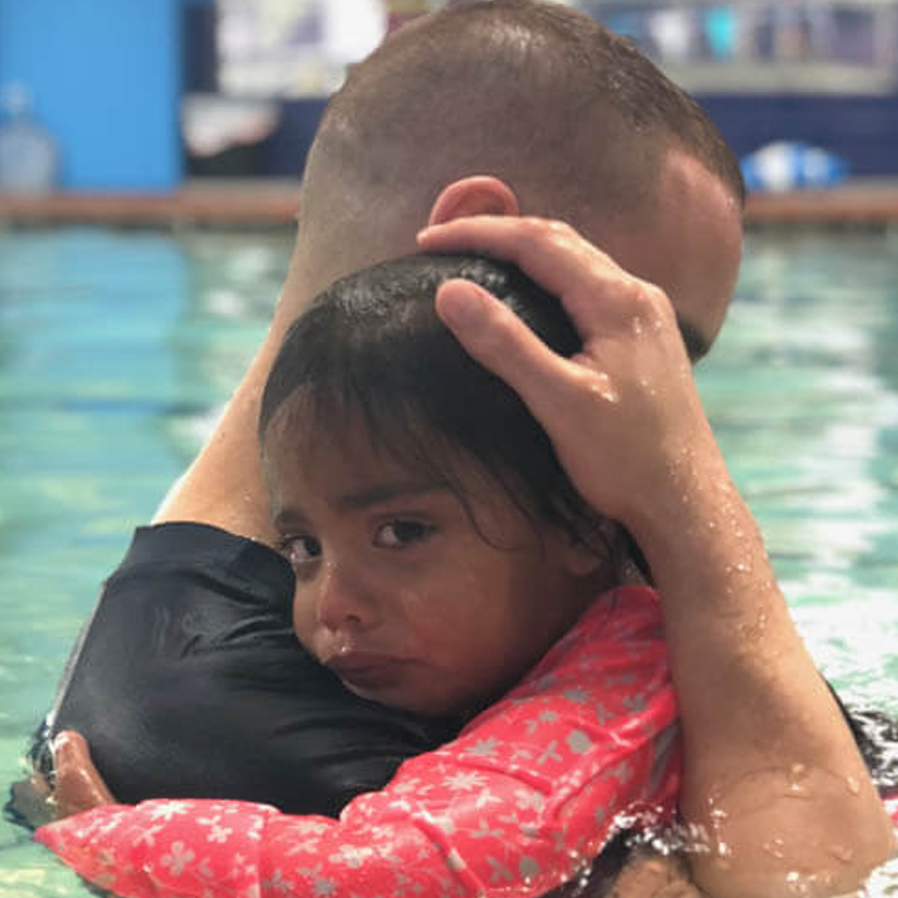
x=515, y=805
x=891, y=803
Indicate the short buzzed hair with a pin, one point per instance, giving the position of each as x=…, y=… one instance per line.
x=573, y=117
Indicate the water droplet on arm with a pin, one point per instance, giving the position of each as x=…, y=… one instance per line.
x=646, y=385
x=798, y=773
x=604, y=389
x=841, y=853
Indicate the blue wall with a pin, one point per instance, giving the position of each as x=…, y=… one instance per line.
x=863, y=130
x=105, y=78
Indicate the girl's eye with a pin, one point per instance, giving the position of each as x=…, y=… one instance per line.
x=299, y=550
x=398, y=534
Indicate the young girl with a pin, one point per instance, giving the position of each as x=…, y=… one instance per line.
x=439, y=551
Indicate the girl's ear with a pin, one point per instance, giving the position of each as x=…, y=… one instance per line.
x=583, y=561
x=474, y=195
x=593, y=551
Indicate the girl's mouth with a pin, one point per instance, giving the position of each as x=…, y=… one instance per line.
x=367, y=670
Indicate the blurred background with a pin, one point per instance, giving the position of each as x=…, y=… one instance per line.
x=137, y=96
x=150, y=157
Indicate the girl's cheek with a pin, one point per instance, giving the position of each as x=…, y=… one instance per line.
x=303, y=618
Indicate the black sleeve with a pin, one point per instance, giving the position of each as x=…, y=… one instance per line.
x=876, y=735
x=188, y=682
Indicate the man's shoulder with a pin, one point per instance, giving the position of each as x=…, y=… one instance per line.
x=181, y=547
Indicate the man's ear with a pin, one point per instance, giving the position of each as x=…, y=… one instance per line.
x=474, y=195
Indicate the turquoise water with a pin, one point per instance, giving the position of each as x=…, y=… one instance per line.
x=118, y=348
x=802, y=391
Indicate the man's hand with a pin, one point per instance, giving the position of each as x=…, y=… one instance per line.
x=31, y=802
x=622, y=411
x=79, y=787
x=650, y=875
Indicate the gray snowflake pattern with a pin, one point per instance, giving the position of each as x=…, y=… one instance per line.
x=484, y=748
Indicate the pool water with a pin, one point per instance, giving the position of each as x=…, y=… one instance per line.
x=117, y=350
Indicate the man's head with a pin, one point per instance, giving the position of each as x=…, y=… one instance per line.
x=518, y=106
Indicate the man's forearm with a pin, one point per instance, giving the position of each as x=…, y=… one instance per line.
x=224, y=485
x=772, y=772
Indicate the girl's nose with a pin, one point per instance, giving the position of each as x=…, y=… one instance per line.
x=344, y=601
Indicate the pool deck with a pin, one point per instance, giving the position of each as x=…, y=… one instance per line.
x=208, y=202
x=271, y=203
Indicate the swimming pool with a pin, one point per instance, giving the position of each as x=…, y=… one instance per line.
x=117, y=349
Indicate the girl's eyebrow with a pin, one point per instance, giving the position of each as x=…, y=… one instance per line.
x=288, y=516
x=386, y=492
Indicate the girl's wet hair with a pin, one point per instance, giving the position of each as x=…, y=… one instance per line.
x=372, y=348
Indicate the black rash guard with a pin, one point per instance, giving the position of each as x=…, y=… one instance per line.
x=188, y=681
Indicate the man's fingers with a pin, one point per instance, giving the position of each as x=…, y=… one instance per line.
x=552, y=253
x=494, y=336
x=30, y=801
x=79, y=786
x=535, y=245
x=595, y=291
x=650, y=875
